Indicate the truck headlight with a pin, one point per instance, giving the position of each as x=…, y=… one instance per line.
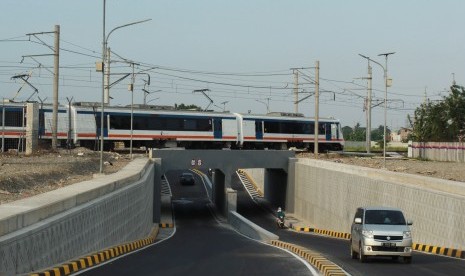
x=407, y=234
x=367, y=233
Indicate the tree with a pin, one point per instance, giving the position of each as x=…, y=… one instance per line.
x=346, y=132
x=187, y=107
x=455, y=110
x=443, y=120
x=358, y=133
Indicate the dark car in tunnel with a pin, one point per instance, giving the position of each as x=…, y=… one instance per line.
x=186, y=179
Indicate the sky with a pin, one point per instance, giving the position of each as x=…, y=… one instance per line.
x=242, y=51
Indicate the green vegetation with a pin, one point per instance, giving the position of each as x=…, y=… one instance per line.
x=359, y=133
x=441, y=121
x=187, y=107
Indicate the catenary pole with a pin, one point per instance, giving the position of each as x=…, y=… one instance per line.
x=317, y=99
x=55, y=87
x=102, y=112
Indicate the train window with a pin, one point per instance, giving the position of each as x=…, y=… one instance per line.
x=141, y=122
x=321, y=128
x=190, y=124
x=173, y=124
x=306, y=128
x=272, y=127
x=12, y=117
x=311, y=128
x=204, y=125
x=197, y=125
x=117, y=121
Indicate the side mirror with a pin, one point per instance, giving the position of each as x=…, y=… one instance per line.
x=358, y=220
x=409, y=222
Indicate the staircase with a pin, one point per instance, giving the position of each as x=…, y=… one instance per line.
x=165, y=187
x=250, y=187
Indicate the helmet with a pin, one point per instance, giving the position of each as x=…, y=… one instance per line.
x=279, y=209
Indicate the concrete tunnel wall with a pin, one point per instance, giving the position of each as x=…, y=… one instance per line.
x=85, y=217
x=326, y=195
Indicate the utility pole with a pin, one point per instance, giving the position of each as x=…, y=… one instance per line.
x=56, y=54
x=368, y=109
x=107, y=76
x=55, y=87
x=387, y=83
x=131, y=88
x=296, y=90
x=68, y=142
x=317, y=99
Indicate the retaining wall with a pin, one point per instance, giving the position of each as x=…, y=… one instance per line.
x=85, y=217
x=327, y=195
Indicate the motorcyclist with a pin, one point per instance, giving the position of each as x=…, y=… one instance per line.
x=280, y=216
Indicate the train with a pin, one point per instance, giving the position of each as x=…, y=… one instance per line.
x=147, y=126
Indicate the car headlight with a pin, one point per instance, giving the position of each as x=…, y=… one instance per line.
x=407, y=234
x=367, y=233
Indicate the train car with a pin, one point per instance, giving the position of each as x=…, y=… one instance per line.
x=64, y=124
x=154, y=128
x=164, y=127
x=280, y=130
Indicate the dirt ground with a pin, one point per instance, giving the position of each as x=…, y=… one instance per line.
x=445, y=170
x=24, y=176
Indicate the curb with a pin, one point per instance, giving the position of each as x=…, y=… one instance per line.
x=443, y=251
x=98, y=257
x=325, y=266
x=450, y=252
x=166, y=225
x=335, y=234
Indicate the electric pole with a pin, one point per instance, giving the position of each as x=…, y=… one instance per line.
x=56, y=54
x=107, y=76
x=368, y=109
x=317, y=99
x=296, y=90
x=55, y=87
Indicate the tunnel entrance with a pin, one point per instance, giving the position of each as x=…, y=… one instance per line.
x=225, y=163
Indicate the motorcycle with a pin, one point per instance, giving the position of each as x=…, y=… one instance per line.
x=280, y=222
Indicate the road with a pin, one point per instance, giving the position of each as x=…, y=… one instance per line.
x=337, y=250
x=202, y=245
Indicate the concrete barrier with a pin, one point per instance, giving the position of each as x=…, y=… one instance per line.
x=249, y=229
x=438, y=151
x=327, y=195
x=85, y=217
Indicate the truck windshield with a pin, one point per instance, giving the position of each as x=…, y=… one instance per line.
x=390, y=217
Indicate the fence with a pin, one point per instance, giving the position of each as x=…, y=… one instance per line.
x=437, y=151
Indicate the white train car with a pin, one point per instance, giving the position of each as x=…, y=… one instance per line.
x=161, y=127
x=155, y=128
x=288, y=130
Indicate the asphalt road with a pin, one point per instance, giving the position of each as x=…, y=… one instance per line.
x=337, y=250
x=202, y=245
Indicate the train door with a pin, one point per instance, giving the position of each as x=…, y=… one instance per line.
x=328, y=131
x=259, y=130
x=217, y=128
x=334, y=132
x=98, y=124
